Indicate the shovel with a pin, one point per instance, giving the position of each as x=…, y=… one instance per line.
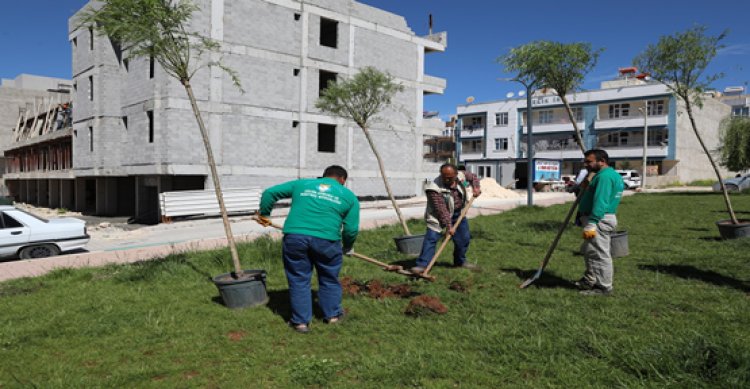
x=385, y=266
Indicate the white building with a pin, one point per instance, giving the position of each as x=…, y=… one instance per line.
x=492, y=136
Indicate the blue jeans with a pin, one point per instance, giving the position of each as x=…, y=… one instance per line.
x=301, y=253
x=461, y=240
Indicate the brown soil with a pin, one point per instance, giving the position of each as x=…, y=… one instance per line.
x=236, y=336
x=460, y=286
x=425, y=305
x=375, y=289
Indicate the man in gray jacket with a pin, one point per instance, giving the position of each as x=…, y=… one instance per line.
x=446, y=197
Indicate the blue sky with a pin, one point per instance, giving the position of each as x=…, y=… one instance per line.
x=33, y=37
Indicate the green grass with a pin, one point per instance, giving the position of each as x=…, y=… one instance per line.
x=678, y=317
x=701, y=183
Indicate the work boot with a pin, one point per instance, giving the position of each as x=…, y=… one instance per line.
x=300, y=328
x=596, y=291
x=417, y=270
x=468, y=266
x=582, y=284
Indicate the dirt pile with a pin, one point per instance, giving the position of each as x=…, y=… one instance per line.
x=460, y=286
x=375, y=289
x=490, y=188
x=425, y=305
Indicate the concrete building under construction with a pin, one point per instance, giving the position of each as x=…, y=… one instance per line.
x=134, y=135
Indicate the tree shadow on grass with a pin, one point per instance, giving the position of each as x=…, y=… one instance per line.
x=693, y=273
x=546, y=280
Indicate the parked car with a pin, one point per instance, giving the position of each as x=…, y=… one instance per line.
x=735, y=184
x=28, y=236
x=631, y=178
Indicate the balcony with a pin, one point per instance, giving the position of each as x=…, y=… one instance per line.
x=630, y=121
x=433, y=85
x=472, y=131
x=435, y=42
x=560, y=125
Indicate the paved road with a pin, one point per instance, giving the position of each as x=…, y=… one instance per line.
x=117, y=246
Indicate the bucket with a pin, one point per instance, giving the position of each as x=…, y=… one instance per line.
x=409, y=244
x=727, y=230
x=618, y=245
x=248, y=291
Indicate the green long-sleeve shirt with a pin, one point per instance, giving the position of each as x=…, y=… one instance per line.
x=602, y=195
x=321, y=207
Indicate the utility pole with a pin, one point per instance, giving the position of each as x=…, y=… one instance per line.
x=645, y=145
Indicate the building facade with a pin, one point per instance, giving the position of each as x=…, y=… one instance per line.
x=22, y=99
x=135, y=136
x=492, y=137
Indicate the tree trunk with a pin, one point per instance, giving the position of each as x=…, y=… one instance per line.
x=577, y=132
x=217, y=183
x=385, y=180
x=713, y=164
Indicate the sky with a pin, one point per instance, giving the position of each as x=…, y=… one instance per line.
x=33, y=37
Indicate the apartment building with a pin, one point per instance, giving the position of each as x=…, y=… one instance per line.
x=737, y=98
x=135, y=136
x=492, y=136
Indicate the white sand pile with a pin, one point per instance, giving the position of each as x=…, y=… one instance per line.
x=490, y=188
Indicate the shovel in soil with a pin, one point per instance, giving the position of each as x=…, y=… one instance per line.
x=385, y=266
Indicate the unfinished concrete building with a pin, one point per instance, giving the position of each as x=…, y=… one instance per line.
x=25, y=102
x=134, y=134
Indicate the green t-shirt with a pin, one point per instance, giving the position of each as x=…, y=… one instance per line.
x=602, y=195
x=321, y=207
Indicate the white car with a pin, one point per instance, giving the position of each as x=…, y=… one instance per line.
x=631, y=178
x=28, y=236
x=735, y=184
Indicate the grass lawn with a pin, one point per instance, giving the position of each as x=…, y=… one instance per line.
x=679, y=316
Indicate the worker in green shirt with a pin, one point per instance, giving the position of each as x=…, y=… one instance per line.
x=322, y=224
x=598, y=208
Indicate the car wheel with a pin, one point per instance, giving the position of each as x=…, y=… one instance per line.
x=39, y=251
x=732, y=188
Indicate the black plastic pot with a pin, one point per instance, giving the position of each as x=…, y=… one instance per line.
x=409, y=244
x=727, y=230
x=249, y=290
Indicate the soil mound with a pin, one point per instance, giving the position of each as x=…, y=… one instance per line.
x=490, y=188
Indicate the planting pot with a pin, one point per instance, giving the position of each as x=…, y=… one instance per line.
x=727, y=230
x=409, y=244
x=618, y=244
x=248, y=290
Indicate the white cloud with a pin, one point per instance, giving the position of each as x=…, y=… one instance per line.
x=737, y=49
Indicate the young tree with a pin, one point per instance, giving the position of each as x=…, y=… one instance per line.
x=679, y=62
x=158, y=29
x=557, y=66
x=735, y=143
x=360, y=99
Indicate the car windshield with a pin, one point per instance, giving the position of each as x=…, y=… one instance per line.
x=34, y=216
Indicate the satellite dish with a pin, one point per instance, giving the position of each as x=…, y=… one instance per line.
x=522, y=93
x=469, y=99
x=509, y=95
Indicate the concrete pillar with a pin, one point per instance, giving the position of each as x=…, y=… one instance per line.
x=54, y=193
x=67, y=194
x=80, y=194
